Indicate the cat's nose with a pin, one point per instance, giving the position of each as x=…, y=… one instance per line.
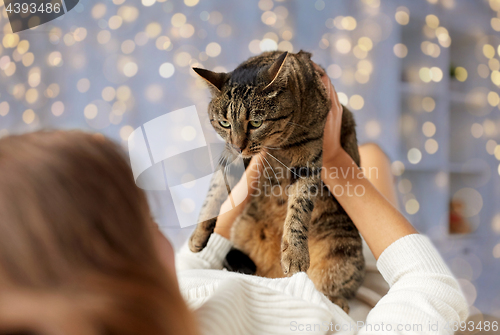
x=240, y=145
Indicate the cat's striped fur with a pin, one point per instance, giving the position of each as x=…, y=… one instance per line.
x=305, y=228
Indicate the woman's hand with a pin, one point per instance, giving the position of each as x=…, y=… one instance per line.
x=331, y=139
x=245, y=186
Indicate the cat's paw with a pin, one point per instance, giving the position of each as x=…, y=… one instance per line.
x=198, y=241
x=201, y=234
x=294, y=258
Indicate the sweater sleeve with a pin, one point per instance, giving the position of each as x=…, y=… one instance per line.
x=423, y=298
x=211, y=257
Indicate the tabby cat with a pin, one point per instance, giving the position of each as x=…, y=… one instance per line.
x=276, y=103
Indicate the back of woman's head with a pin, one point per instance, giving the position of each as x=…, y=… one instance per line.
x=73, y=226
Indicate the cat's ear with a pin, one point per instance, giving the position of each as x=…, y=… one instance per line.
x=304, y=54
x=273, y=72
x=215, y=79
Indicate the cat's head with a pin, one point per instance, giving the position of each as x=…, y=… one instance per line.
x=253, y=106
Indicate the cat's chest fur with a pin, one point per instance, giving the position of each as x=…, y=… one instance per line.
x=258, y=230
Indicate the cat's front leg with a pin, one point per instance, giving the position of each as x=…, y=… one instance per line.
x=216, y=195
x=294, y=246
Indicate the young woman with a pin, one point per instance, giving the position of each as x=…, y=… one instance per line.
x=79, y=254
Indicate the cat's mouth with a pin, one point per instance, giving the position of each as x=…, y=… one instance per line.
x=247, y=154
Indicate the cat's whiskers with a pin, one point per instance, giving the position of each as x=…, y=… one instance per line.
x=275, y=176
x=285, y=166
x=265, y=171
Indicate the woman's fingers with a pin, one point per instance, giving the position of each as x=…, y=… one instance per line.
x=242, y=191
x=245, y=186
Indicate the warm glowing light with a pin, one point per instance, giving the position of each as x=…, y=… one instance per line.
x=494, y=64
x=23, y=47
x=365, y=43
x=402, y=15
x=31, y=95
x=359, y=52
x=90, y=111
x=115, y=22
x=29, y=116
x=430, y=49
x=55, y=58
x=163, y=43
x=343, y=99
x=98, y=11
x=400, y=50
x=429, y=129
x=178, y=20
x=496, y=152
x=348, y=23
x=405, y=186
x=432, y=21
x=483, y=71
x=412, y=206
x=128, y=13
x=343, y=45
x=477, y=130
x=130, y=69
x=431, y=146
x=493, y=98
x=334, y=71
x=103, y=36
x=52, y=91
x=123, y=93
x=490, y=146
x=269, y=18
x=490, y=128
x=495, y=77
x=167, y=70
x=356, y=102
x=191, y=3
x=213, y=49
x=425, y=74
x=397, y=168
x=414, y=156
x=430, y=74
x=128, y=46
x=488, y=51
x=495, y=223
x=108, y=93
x=83, y=85
x=472, y=199
x=268, y=44
x=460, y=73
x=436, y=74
x=153, y=29
x=125, y=132
x=495, y=23
x=57, y=108
x=265, y=5
x=496, y=248
x=4, y=108
x=154, y=93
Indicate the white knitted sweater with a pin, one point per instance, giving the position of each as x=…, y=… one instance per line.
x=424, y=297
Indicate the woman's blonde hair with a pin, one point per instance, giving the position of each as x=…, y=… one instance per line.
x=77, y=250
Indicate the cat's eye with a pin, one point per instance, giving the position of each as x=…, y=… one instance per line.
x=225, y=124
x=256, y=124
